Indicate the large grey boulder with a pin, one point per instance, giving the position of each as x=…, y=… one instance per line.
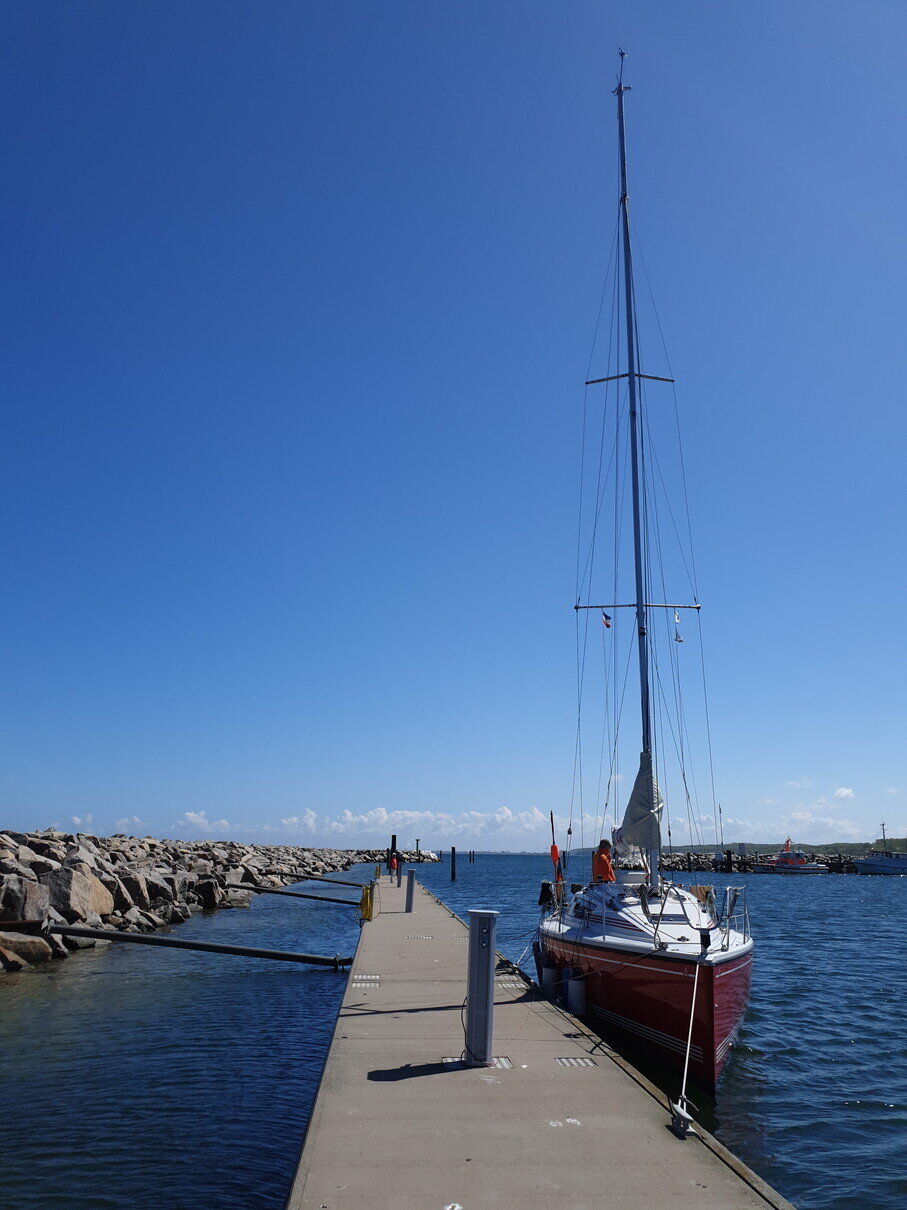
x=135, y=920
x=159, y=890
x=58, y=949
x=122, y=900
x=31, y=948
x=79, y=853
x=74, y=894
x=209, y=893
x=137, y=887
x=79, y=943
x=10, y=962
x=22, y=899
x=43, y=865
x=179, y=884
x=47, y=848
x=9, y=865
x=236, y=898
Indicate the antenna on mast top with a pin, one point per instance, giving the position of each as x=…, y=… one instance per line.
x=620, y=79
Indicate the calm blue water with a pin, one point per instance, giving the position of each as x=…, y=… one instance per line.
x=134, y=1078
x=139, y=1078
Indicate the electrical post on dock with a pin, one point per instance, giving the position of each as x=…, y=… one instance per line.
x=480, y=987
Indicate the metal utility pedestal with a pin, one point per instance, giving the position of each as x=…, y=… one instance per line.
x=480, y=987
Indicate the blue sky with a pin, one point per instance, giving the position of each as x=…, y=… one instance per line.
x=298, y=303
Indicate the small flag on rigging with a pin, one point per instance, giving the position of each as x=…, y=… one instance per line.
x=678, y=637
x=606, y=620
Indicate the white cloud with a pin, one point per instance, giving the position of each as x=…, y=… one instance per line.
x=802, y=784
x=199, y=821
x=500, y=825
x=704, y=831
x=844, y=792
x=821, y=829
x=306, y=822
x=126, y=822
x=892, y=790
x=86, y=819
x=807, y=823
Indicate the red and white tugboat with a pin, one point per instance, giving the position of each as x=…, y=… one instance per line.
x=789, y=861
x=661, y=965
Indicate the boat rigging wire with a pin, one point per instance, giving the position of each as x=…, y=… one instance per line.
x=681, y=1117
x=577, y=784
x=686, y=503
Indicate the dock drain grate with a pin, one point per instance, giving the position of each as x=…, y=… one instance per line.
x=577, y=1062
x=510, y=983
x=366, y=979
x=501, y=1062
x=417, y=937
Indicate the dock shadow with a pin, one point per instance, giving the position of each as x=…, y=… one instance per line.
x=410, y=1071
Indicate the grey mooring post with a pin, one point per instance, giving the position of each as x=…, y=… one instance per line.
x=453, y=863
x=399, y=870
x=410, y=888
x=480, y=988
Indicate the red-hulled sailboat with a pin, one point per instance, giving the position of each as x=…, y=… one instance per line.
x=658, y=964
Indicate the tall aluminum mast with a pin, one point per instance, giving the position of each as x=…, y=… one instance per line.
x=633, y=382
x=645, y=794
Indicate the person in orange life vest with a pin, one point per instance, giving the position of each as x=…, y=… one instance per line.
x=602, y=870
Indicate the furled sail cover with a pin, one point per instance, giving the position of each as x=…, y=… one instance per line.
x=642, y=819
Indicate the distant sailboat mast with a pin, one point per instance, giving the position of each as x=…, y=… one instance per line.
x=645, y=782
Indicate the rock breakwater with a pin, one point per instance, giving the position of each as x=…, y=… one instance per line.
x=137, y=885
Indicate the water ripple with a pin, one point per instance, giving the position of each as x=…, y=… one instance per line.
x=156, y=1079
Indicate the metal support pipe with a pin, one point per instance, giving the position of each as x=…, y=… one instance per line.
x=410, y=888
x=453, y=863
x=480, y=988
x=303, y=877
x=273, y=890
x=176, y=943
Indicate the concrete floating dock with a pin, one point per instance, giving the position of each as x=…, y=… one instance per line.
x=559, y=1120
